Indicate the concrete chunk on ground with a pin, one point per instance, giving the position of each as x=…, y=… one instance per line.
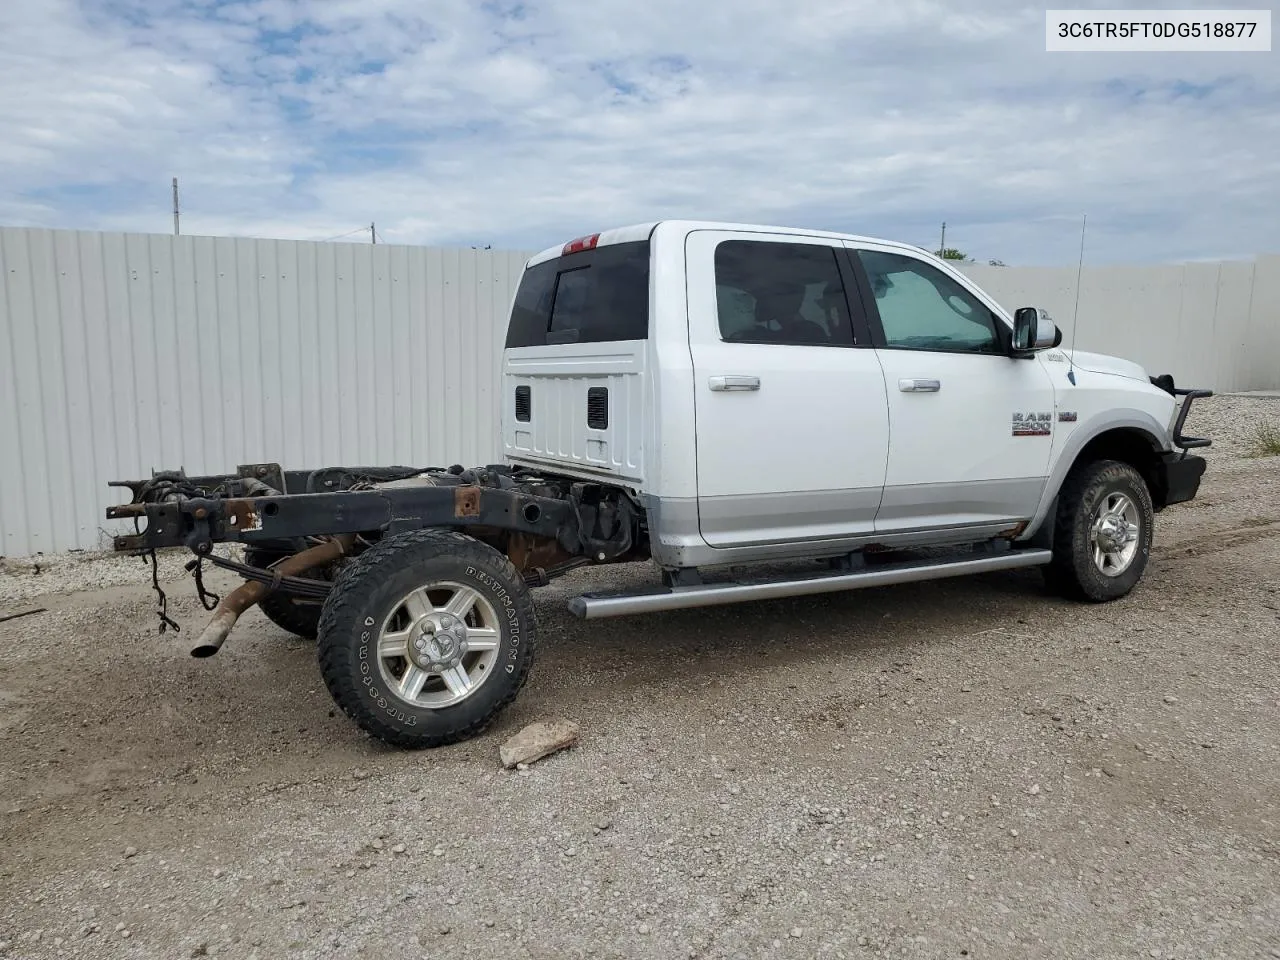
x=539, y=740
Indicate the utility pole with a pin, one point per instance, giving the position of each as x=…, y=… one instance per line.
x=942, y=245
x=373, y=233
x=175, y=206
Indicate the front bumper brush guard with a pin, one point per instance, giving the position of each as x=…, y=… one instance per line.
x=1179, y=439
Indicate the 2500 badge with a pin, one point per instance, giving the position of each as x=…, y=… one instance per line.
x=1032, y=424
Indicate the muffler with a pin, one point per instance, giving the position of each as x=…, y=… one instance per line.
x=245, y=596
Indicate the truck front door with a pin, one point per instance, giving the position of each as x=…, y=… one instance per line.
x=789, y=397
x=972, y=428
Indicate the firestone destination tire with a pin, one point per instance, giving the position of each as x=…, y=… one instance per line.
x=426, y=637
x=1102, y=537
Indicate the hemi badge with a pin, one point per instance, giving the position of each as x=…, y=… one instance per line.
x=1067, y=416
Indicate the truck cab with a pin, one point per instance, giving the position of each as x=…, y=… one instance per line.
x=768, y=393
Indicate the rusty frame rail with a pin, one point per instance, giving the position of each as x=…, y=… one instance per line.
x=200, y=522
x=318, y=517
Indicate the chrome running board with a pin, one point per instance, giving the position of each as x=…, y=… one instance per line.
x=591, y=606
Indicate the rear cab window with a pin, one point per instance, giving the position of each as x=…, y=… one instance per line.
x=593, y=296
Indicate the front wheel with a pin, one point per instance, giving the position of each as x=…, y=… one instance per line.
x=1102, y=537
x=426, y=637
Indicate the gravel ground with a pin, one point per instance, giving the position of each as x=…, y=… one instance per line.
x=965, y=768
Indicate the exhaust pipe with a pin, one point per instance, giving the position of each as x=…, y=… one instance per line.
x=245, y=596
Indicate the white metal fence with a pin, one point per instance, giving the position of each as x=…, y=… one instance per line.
x=120, y=353
x=1214, y=325
x=123, y=353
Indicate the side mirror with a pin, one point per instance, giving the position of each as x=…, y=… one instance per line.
x=1033, y=331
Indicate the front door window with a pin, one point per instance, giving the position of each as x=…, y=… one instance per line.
x=921, y=308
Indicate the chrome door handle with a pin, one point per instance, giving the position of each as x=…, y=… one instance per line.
x=726, y=384
x=919, y=386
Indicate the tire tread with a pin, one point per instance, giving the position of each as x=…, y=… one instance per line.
x=1063, y=573
x=342, y=610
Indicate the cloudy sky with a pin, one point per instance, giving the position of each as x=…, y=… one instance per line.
x=526, y=123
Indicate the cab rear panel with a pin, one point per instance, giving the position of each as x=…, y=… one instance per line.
x=575, y=364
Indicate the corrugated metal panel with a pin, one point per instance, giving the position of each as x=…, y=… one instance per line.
x=123, y=353
x=1260, y=343
x=120, y=353
x=1190, y=320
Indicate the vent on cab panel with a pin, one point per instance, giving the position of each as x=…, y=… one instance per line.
x=524, y=404
x=598, y=408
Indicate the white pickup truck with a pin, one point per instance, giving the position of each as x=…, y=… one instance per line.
x=700, y=395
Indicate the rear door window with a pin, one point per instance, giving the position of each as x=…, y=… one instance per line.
x=781, y=293
x=595, y=296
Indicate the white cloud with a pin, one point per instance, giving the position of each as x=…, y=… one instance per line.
x=451, y=122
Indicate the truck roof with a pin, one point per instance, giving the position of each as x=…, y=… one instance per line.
x=641, y=231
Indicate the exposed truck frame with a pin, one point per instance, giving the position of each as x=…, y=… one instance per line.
x=545, y=525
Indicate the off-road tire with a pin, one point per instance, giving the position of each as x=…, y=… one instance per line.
x=1072, y=572
x=288, y=613
x=365, y=593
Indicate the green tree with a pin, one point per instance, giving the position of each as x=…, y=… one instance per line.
x=951, y=253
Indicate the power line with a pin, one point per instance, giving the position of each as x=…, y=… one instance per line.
x=349, y=233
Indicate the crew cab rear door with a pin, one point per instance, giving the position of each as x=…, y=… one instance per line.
x=789, y=397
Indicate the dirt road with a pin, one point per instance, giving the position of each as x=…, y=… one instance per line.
x=966, y=768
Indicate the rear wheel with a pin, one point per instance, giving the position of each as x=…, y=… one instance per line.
x=426, y=637
x=1102, y=537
